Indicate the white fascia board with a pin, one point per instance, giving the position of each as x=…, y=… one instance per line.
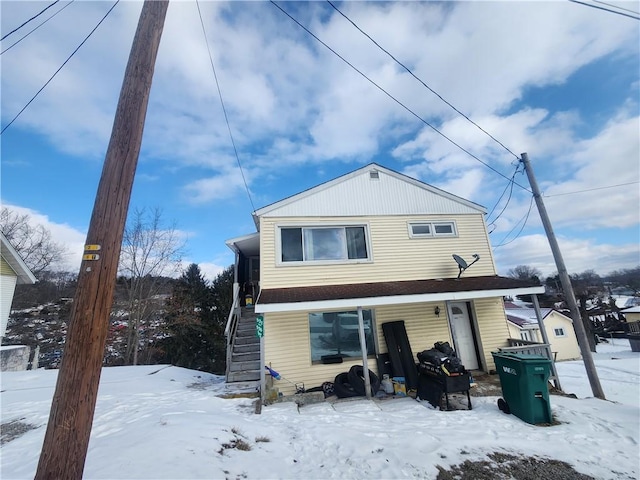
x=389, y=300
x=15, y=261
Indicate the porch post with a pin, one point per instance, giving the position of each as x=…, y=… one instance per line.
x=545, y=338
x=363, y=346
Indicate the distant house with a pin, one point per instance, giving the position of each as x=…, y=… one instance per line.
x=13, y=271
x=373, y=246
x=523, y=325
x=631, y=314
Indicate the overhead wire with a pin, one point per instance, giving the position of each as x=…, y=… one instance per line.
x=393, y=98
x=224, y=110
x=510, y=184
x=524, y=223
x=408, y=70
x=605, y=9
x=591, y=189
x=35, y=28
x=31, y=19
x=61, y=67
x=616, y=6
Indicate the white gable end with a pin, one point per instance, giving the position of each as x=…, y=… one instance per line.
x=361, y=194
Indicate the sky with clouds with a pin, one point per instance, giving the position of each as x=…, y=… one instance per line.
x=558, y=80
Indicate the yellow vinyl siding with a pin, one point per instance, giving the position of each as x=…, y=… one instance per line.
x=395, y=256
x=423, y=327
x=492, y=328
x=5, y=268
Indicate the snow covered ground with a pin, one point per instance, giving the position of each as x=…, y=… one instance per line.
x=159, y=422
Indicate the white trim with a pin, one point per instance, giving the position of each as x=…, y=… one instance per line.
x=15, y=261
x=391, y=300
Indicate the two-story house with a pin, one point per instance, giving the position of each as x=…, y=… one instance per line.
x=373, y=244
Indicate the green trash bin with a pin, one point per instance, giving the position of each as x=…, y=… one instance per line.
x=524, y=378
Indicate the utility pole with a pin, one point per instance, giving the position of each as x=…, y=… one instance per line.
x=565, y=281
x=67, y=438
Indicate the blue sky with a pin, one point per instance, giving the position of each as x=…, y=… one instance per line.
x=558, y=80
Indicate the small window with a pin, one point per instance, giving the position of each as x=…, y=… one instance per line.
x=337, y=333
x=374, y=175
x=432, y=229
x=559, y=332
x=444, y=229
x=420, y=229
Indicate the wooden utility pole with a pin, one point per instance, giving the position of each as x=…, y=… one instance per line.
x=67, y=438
x=565, y=281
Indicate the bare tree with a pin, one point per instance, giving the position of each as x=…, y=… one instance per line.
x=525, y=272
x=151, y=252
x=32, y=241
x=586, y=286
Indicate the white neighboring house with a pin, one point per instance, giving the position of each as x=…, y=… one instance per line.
x=13, y=271
x=523, y=325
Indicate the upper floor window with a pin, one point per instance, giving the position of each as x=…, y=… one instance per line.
x=331, y=243
x=432, y=229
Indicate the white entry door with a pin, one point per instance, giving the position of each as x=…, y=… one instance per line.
x=462, y=332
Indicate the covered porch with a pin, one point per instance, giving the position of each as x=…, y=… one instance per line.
x=300, y=323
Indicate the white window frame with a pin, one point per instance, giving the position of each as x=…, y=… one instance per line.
x=559, y=329
x=432, y=229
x=367, y=239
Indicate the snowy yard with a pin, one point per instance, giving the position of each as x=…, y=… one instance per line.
x=159, y=422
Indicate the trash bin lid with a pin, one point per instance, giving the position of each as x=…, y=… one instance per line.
x=521, y=357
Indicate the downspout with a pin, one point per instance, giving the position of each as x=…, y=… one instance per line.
x=545, y=338
x=363, y=346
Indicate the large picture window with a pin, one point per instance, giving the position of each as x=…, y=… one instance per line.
x=337, y=333
x=311, y=244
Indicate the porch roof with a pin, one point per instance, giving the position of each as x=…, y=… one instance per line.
x=390, y=293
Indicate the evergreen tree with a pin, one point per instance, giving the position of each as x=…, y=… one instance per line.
x=195, y=321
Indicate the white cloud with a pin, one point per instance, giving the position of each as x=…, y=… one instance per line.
x=578, y=254
x=63, y=234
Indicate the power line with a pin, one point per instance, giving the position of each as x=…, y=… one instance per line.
x=421, y=81
x=32, y=18
x=605, y=9
x=35, y=28
x=615, y=6
x=393, y=98
x=591, y=189
x=510, y=184
x=224, y=110
x=61, y=66
x=525, y=218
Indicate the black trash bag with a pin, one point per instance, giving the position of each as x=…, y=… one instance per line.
x=432, y=356
x=445, y=348
x=453, y=365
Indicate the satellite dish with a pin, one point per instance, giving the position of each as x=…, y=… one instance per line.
x=460, y=261
x=462, y=264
